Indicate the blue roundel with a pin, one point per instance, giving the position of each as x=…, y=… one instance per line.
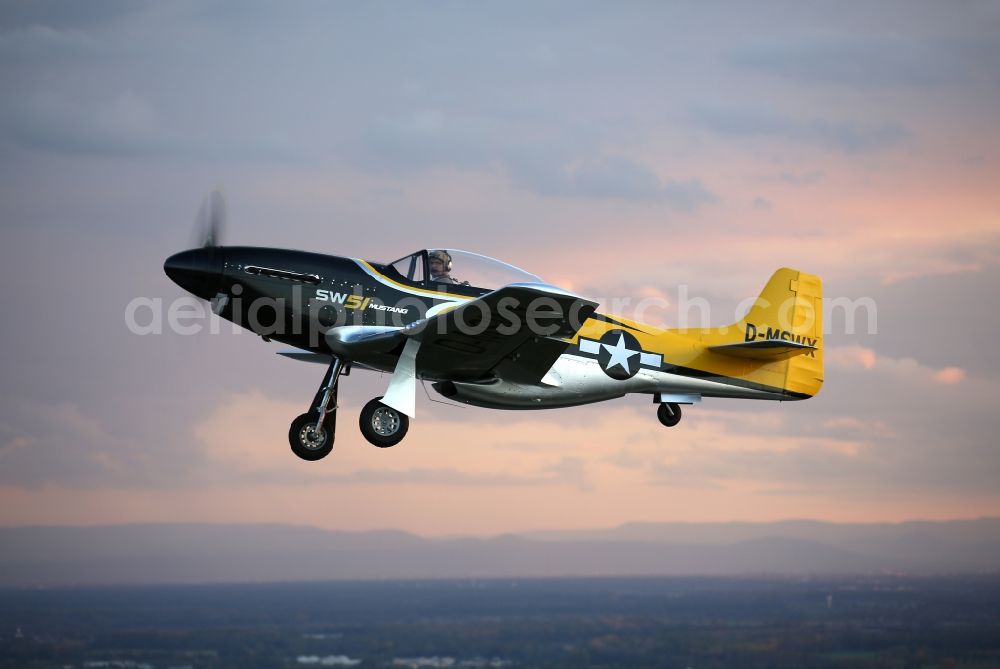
x=619, y=354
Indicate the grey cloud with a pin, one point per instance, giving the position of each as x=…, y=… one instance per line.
x=617, y=178
x=64, y=13
x=850, y=136
x=614, y=177
x=43, y=43
x=847, y=136
x=125, y=125
x=687, y=195
x=943, y=319
x=450, y=477
x=553, y=102
x=63, y=444
x=905, y=427
x=568, y=471
x=885, y=468
x=874, y=61
x=800, y=178
x=550, y=161
x=803, y=469
x=428, y=138
x=878, y=471
x=492, y=96
x=915, y=434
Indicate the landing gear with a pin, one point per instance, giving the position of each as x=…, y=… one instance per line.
x=311, y=435
x=382, y=425
x=669, y=414
x=306, y=441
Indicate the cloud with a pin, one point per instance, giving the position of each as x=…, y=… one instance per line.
x=873, y=61
x=944, y=320
x=60, y=14
x=246, y=433
x=804, y=178
x=687, y=195
x=950, y=375
x=860, y=357
x=551, y=160
x=882, y=428
x=362, y=132
x=617, y=178
x=610, y=178
x=846, y=136
x=124, y=124
x=811, y=449
x=42, y=43
x=10, y=440
x=850, y=356
x=61, y=443
x=972, y=253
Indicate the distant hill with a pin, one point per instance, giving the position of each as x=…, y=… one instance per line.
x=241, y=553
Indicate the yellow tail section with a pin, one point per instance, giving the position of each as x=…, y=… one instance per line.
x=780, y=341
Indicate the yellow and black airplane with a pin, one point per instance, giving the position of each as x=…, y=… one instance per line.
x=493, y=335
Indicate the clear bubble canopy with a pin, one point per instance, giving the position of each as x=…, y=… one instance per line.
x=461, y=267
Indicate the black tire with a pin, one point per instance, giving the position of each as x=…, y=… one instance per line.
x=669, y=414
x=382, y=425
x=300, y=436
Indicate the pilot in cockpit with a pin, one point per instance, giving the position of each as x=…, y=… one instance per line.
x=440, y=263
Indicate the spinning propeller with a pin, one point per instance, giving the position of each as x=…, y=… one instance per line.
x=199, y=271
x=211, y=221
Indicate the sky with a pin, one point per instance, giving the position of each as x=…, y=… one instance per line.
x=666, y=151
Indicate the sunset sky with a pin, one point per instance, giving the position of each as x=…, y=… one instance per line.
x=621, y=150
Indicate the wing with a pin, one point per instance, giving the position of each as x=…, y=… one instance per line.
x=516, y=332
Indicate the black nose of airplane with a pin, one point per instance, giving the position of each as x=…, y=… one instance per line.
x=197, y=271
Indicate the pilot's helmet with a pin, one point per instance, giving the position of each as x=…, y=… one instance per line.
x=443, y=256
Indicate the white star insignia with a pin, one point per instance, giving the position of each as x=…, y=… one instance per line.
x=620, y=354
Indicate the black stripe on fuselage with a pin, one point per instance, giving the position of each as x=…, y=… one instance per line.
x=729, y=381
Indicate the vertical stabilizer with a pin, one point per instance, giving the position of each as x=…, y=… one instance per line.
x=779, y=343
x=790, y=309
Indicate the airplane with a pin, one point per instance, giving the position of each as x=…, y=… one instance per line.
x=492, y=335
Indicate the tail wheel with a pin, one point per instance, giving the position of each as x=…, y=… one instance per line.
x=382, y=425
x=669, y=414
x=306, y=441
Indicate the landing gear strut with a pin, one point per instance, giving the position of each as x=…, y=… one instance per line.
x=669, y=413
x=311, y=434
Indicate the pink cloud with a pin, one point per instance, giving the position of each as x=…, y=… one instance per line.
x=950, y=375
x=851, y=357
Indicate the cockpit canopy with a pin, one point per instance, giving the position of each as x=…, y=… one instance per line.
x=452, y=266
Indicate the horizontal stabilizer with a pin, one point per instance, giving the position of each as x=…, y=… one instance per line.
x=764, y=349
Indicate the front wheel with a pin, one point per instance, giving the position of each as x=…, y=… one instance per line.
x=382, y=425
x=306, y=441
x=669, y=414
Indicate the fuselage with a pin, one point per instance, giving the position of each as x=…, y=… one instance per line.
x=307, y=299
